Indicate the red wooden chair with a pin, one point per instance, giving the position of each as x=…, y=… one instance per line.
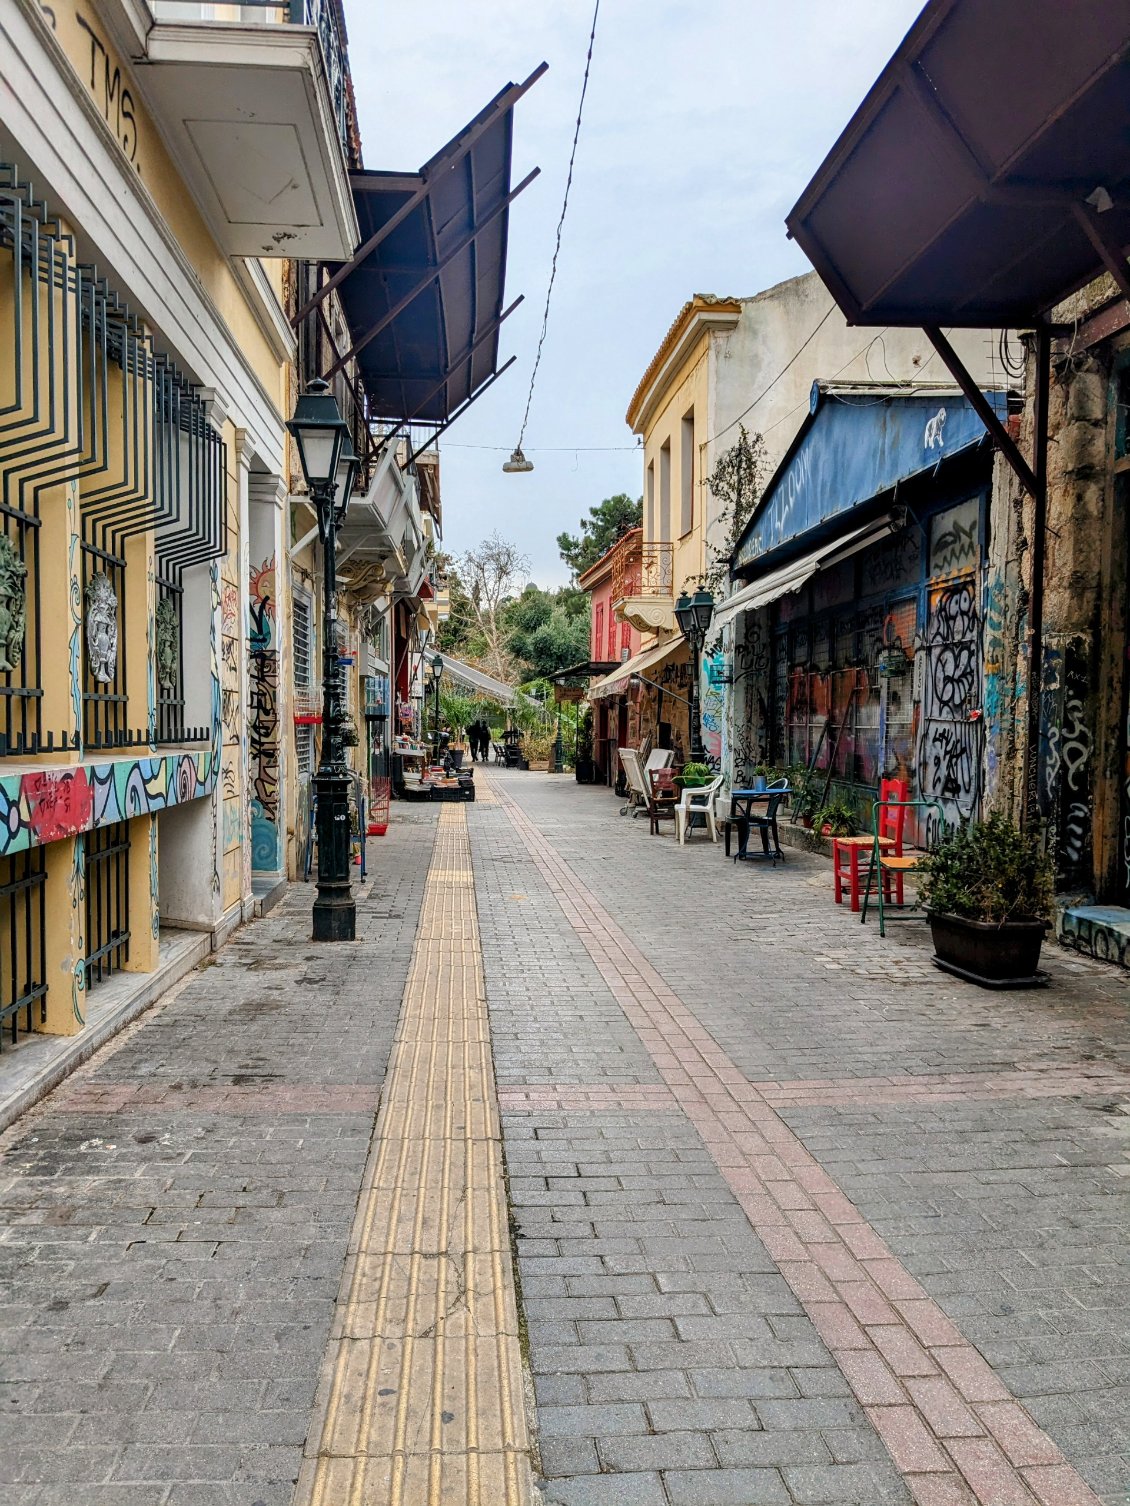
x=847, y=851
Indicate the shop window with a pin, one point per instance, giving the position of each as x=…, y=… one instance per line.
x=107, y=901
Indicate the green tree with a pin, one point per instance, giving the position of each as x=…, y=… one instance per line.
x=736, y=483
x=547, y=630
x=606, y=523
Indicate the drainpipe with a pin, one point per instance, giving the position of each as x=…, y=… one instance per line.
x=1036, y=596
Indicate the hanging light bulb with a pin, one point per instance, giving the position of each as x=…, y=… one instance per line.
x=517, y=462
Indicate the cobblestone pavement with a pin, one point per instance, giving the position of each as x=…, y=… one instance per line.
x=799, y=1218
x=175, y=1217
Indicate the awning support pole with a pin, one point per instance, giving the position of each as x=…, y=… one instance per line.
x=430, y=276
x=507, y=102
x=983, y=408
x=387, y=439
x=490, y=381
x=1112, y=257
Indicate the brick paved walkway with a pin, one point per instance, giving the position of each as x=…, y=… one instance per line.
x=798, y=1219
x=801, y=1219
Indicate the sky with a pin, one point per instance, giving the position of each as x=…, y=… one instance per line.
x=703, y=122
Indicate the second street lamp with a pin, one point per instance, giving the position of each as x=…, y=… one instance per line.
x=437, y=676
x=329, y=465
x=694, y=615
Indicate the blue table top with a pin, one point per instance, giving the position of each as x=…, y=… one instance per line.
x=761, y=794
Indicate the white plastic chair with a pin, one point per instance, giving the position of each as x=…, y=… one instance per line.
x=697, y=802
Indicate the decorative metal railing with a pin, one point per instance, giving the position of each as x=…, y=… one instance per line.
x=107, y=902
x=23, y=957
x=648, y=570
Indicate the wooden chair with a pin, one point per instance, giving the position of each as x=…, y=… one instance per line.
x=885, y=865
x=847, y=851
x=663, y=798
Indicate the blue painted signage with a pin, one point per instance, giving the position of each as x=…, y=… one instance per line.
x=854, y=448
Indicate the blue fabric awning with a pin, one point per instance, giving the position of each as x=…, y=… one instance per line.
x=851, y=450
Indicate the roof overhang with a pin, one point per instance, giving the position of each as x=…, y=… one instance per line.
x=616, y=683
x=248, y=114
x=585, y=667
x=700, y=315
x=986, y=176
x=423, y=297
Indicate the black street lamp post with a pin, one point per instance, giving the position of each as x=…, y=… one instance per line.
x=330, y=468
x=437, y=676
x=694, y=615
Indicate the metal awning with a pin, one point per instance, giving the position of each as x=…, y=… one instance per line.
x=617, y=682
x=986, y=176
x=478, y=679
x=423, y=295
x=586, y=667
x=798, y=572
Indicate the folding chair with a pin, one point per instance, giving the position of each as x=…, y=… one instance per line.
x=887, y=866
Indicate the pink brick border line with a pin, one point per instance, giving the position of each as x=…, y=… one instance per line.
x=220, y=1098
x=953, y=1430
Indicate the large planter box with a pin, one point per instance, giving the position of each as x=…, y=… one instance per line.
x=995, y=956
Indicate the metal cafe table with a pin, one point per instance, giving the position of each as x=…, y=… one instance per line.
x=742, y=803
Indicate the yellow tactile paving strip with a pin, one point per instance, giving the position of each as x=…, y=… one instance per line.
x=421, y=1401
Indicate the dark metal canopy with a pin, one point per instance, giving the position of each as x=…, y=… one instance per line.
x=986, y=176
x=423, y=296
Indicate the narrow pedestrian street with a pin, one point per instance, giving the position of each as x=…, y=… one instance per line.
x=797, y=1218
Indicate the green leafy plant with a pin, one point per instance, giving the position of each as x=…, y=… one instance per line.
x=836, y=819
x=694, y=776
x=988, y=871
x=805, y=800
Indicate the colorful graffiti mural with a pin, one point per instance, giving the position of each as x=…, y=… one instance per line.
x=266, y=838
x=49, y=804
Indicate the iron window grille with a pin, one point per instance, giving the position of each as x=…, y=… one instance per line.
x=23, y=953
x=107, y=901
x=87, y=400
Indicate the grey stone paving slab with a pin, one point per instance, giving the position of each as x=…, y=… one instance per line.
x=168, y=1271
x=1012, y=1213
x=647, y=1224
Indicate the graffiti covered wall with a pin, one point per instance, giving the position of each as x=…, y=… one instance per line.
x=266, y=835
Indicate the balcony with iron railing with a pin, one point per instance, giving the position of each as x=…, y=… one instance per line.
x=320, y=14
x=643, y=586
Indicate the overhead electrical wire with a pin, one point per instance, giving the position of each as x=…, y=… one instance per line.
x=560, y=226
x=767, y=390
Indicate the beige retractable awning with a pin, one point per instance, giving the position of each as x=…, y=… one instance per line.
x=617, y=682
x=797, y=573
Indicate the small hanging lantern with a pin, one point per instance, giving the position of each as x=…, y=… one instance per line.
x=517, y=462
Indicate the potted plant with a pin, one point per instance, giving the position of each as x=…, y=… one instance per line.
x=988, y=891
x=805, y=797
x=835, y=819
x=760, y=777
x=694, y=776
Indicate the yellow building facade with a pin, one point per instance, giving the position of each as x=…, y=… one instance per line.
x=147, y=368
